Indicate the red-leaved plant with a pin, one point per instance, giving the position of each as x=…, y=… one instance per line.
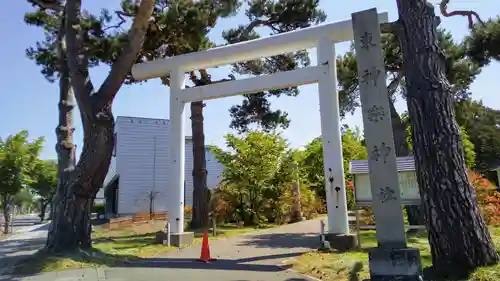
x=488, y=198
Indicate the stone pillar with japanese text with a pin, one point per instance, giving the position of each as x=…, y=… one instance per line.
x=392, y=259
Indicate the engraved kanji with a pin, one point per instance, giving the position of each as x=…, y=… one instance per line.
x=376, y=113
x=370, y=75
x=366, y=41
x=386, y=194
x=397, y=258
x=381, y=151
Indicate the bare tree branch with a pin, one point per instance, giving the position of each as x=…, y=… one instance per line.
x=165, y=80
x=246, y=32
x=55, y=5
x=123, y=64
x=469, y=14
x=120, y=15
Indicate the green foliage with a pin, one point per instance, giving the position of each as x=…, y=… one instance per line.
x=460, y=71
x=312, y=165
x=99, y=208
x=18, y=155
x=468, y=145
x=181, y=27
x=257, y=180
x=483, y=44
x=252, y=168
x=24, y=198
x=310, y=205
x=482, y=126
x=277, y=17
x=44, y=179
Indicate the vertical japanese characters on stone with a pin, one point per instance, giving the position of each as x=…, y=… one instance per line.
x=378, y=133
x=392, y=259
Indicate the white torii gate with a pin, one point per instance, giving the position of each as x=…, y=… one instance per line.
x=323, y=37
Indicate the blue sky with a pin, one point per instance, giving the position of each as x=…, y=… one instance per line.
x=30, y=102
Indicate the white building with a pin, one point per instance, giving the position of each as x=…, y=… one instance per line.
x=140, y=166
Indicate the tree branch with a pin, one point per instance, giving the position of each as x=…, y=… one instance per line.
x=123, y=64
x=469, y=14
x=246, y=32
x=390, y=27
x=120, y=15
x=55, y=5
x=165, y=80
x=393, y=86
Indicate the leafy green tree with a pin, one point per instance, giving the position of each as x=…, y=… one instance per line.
x=483, y=43
x=312, y=163
x=23, y=200
x=255, y=166
x=73, y=43
x=448, y=201
x=44, y=183
x=482, y=125
x=17, y=156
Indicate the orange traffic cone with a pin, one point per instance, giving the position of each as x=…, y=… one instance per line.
x=205, y=249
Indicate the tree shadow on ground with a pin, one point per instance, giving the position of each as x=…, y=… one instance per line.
x=41, y=260
x=131, y=237
x=289, y=279
x=13, y=246
x=259, y=263
x=283, y=240
x=353, y=273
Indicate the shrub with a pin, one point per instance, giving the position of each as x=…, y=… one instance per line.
x=310, y=204
x=366, y=216
x=349, y=192
x=188, y=212
x=221, y=208
x=99, y=208
x=488, y=198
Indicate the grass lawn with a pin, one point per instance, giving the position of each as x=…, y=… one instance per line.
x=112, y=247
x=353, y=265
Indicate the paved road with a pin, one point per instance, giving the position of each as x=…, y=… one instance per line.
x=253, y=257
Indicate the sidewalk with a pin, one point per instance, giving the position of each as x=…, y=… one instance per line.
x=254, y=257
x=21, y=245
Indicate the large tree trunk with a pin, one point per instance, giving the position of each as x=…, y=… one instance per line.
x=70, y=228
x=200, y=192
x=65, y=148
x=414, y=213
x=43, y=209
x=458, y=235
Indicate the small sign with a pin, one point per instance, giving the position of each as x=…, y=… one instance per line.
x=407, y=184
x=406, y=176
